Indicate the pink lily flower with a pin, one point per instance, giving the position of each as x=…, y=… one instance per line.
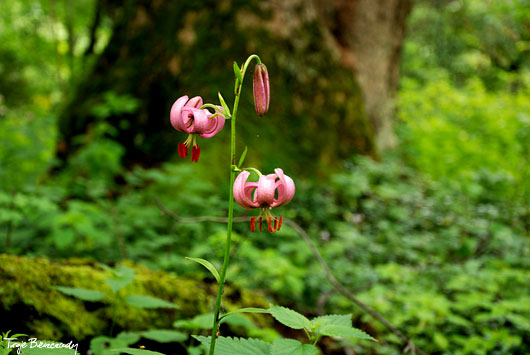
x=186, y=116
x=262, y=194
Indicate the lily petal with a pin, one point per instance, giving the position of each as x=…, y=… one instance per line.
x=243, y=191
x=175, y=115
x=195, y=102
x=201, y=123
x=265, y=190
x=286, y=189
x=188, y=119
x=216, y=124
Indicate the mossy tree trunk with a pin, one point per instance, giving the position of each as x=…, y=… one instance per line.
x=369, y=35
x=161, y=50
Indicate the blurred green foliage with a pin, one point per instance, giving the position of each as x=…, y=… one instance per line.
x=468, y=39
x=435, y=237
x=469, y=134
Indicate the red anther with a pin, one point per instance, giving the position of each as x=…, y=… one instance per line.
x=180, y=150
x=184, y=150
x=280, y=223
x=193, y=153
x=275, y=223
x=269, y=224
x=260, y=220
x=197, y=153
x=253, y=224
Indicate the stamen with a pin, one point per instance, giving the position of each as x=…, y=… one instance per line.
x=253, y=224
x=197, y=153
x=183, y=150
x=269, y=223
x=276, y=223
x=280, y=223
x=260, y=220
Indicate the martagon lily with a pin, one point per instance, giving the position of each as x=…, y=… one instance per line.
x=272, y=190
x=187, y=116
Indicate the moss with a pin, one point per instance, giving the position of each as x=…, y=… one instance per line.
x=30, y=304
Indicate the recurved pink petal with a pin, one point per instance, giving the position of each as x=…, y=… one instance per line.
x=175, y=115
x=195, y=102
x=216, y=125
x=286, y=188
x=243, y=191
x=266, y=189
x=200, y=122
x=187, y=119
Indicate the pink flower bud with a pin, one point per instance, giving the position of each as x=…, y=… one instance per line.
x=261, y=89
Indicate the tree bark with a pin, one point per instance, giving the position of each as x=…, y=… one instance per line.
x=370, y=36
x=161, y=50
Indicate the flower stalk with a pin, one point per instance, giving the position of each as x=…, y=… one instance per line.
x=215, y=326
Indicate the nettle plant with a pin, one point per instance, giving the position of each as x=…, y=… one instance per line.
x=192, y=116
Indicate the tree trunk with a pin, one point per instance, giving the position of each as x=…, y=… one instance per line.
x=161, y=50
x=369, y=35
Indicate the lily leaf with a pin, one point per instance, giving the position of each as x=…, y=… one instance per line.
x=244, y=310
x=243, y=156
x=237, y=72
x=207, y=265
x=224, y=105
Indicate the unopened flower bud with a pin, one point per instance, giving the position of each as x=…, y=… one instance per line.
x=261, y=89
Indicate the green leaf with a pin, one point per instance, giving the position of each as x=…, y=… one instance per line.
x=17, y=335
x=122, y=277
x=237, y=72
x=223, y=103
x=144, y=301
x=236, y=84
x=164, y=335
x=195, y=350
x=244, y=310
x=243, y=156
x=127, y=338
x=290, y=318
x=336, y=319
x=101, y=345
x=237, y=346
x=344, y=332
x=292, y=347
x=135, y=351
x=202, y=321
x=81, y=293
x=239, y=320
x=207, y=265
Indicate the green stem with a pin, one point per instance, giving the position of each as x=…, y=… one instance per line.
x=317, y=338
x=226, y=260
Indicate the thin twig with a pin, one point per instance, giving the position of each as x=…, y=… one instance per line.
x=196, y=219
x=408, y=343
